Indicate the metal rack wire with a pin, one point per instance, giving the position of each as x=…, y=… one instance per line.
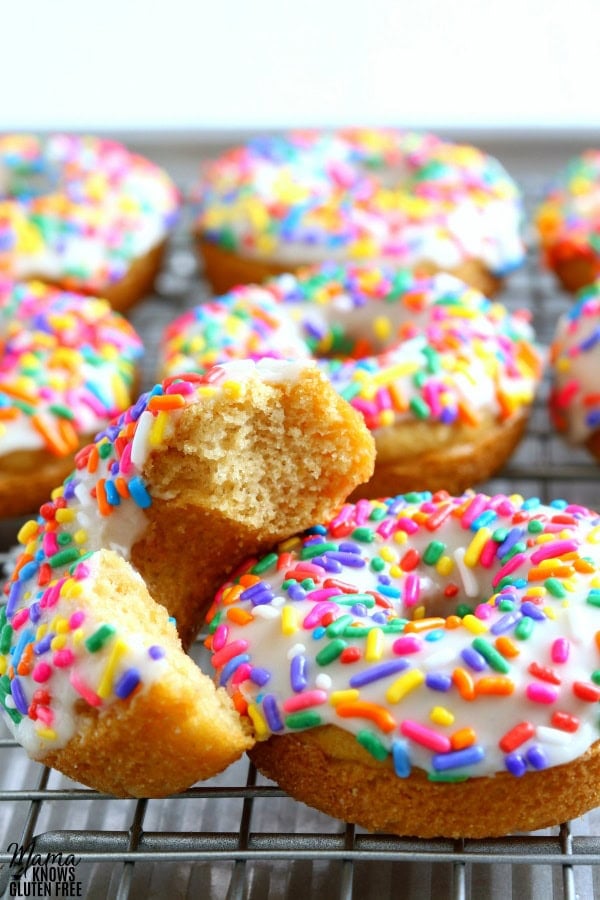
x=238, y=836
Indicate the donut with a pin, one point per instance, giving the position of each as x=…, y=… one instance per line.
x=424, y=665
x=197, y=475
x=575, y=359
x=381, y=195
x=83, y=213
x=68, y=366
x=443, y=377
x=568, y=223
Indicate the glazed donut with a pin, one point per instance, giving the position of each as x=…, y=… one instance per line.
x=83, y=213
x=197, y=475
x=424, y=665
x=575, y=359
x=405, y=199
x=568, y=223
x=68, y=366
x=443, y=377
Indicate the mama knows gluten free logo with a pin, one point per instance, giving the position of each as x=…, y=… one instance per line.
x=36, y=875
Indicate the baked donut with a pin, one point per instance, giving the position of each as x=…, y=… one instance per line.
x=68, y=365
x=424, y=665
x=568, y=223
x=575, y=359
x=443, y=377
x=380, y=195
x=83, y=213
x=168, y=500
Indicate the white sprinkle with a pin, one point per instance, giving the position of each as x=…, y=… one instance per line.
x=295, y=650
x=466, y=574
x=139, y=445
x=323, y=681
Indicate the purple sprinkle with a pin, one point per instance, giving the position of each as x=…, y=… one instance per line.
x=271, y=712
x=298, y=673
x=156, y=652
x=375, y=673
x=349, y=547
x=469, y=756
x=533, y=611
x=231, y=666
x=380, y=617
x=259, y=588
x=260, y=676
x=438, y=681
x=127, y=683
x=506, y=623
x=352, y=560
x=18, y=696
x=536, y=757
x=35, y=612
x=515, y=764
x=296, y=591
x=330, y=565
x=359, y=609
x=513, y=536
x=474, y=659
x=43, y=645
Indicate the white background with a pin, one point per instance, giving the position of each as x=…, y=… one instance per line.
x=231, y=64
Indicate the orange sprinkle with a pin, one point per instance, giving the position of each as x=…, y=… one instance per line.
x=464, y=737
x=424, y=624
x=583, y=566
x=248, y=579
x=240, y=704
x=495, y=684
x=399, y=401
x=9, y=412
x=506, y=647
x=597, y=639
x=25, y=663
x=362, y=709
x=22, y=560
x=239, y=616
x=121, y=487
x=464, y=682
x=166, y=402
x=467, y=414
x=93, y=458
x=104, y=507
x=51, y=435
x=68, y=434
x=538, y=573
x=453, y=622
x=232, y=594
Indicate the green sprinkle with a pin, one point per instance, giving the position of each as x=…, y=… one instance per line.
x=506, y=605
x=5, y=638
x=372, y=744
x=463, y=609
x=433, y=551
x=394, y=626
x=491, y=655
x=378, y=513
x=313, y=550
x=555, y=587
x=596, y=676
x=524, y=628
x=308, y=584
x=337, y=628
x=63, y=412
x=64, y=557
x=377, y=564
x=419, y=408
x=64, y=538
x=215, y=621
x=364, y=534
x=331, y=651
x=446, y=776
x=263, y=564
x=305, y=719
x=99, y=638
x=519, y=547
x=500, y=535
x=535, y=526
x=594, y=597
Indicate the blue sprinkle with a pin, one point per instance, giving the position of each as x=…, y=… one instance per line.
x=112, y=495
x=401, y=759
x=28, y=571
x=513, y=537
x=319, y=632
x=484, y=519
x=515, y=764
x=456, y=759
x=139, y=493
x=127, y=683
x=436, y=635
x=18, y=696
x=230, y=667
x=536, y=757
x=388, y=590
x=271, y=712
x=375, y=673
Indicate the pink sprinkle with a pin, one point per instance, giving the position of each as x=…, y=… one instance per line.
x=322, y=594
x=509, y=568
x=483, y=611
x=427, y=737
x=541, y=693
x=228, y=652
x=50, y=544
x=560, y=650
x=407, y=644
x=81, y=572
x=20, y=618
x=41, y=672
x=62, y=659
x=305, y=700
x=76, y=619
x=84, y=690
x=554, y=548
x=407, y=525
x=220, y=637
x=44, y=714
x=488, y=554
x=242, y=673
x=362, y=511
x=125, y=464
x=386, y=529
x=316, y=614
x=474, y=509
x=411, y=590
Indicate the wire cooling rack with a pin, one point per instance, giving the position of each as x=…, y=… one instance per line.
x=238, y=836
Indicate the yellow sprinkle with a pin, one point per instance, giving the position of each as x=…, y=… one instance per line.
x=388, y=554
x=57, y=492
x=419, y=612
x=441, y=716
x=157, y=431
x=118, y=650
x=393, y=373
x=58, y=642
x=3, y=665
x=233, y=388
x=347, y=696
x=80, y=536
x=47, y=733
x=536, y=591
x=289, y=545
x=260, y=726
x=27, y=531
x=382, y=328
x=594, y=535
x=206, y=390
x=374, y=645
x=62, y=626
x=396, y=571
x=473, y=624
x=41, y=631
x=400, y=537
x=444, y=565
x=595, y=582
x=71, y=589
x=473, y=551
x=404, y=685
x=289, y=620
x=78, y=636
x=386, y=417
x=550, y=612
x=64, y=515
